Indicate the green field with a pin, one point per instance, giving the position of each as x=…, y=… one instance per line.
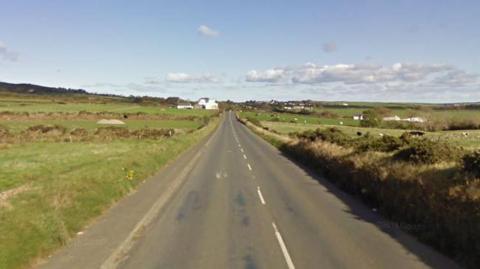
x=306, y=119
x=51, y=190
x=43, y=105
x=344, y=116
x=289, y=122
x=472, y=141
x=16, y=126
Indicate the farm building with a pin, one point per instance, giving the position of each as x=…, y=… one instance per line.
x=207, y=103
x=184, y=106
x=358, y=117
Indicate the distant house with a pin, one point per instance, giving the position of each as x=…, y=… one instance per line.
x=184, y=106
x=392, y=118
x=358, y=117
x=298, y=107
x=207, y=103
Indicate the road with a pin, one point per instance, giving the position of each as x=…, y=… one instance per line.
x=234, y=201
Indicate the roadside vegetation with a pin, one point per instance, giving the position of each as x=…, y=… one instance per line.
x=431, y=188
x=437, y=117
x=60, y=168
x=458, y=128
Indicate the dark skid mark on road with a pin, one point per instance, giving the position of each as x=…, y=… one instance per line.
x=249, y=262
x=240, y=199
x=191, y=203
x=246, y=221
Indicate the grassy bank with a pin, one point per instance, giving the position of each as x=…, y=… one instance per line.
x=49, y=191
x=438, y=201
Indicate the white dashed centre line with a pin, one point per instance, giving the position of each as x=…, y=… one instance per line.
x=244, y=156
x=261, y=196
x=283, y=247
x=249, y=167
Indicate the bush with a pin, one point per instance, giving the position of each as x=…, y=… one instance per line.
x=47, y=129
x=275, y=119
x=79, y=132
x=371, y=119
x=405, y=193
x=112, y=131
x=471, y=163
x=329, y=115
x=425, y=151
x=386, y=143
x=254, y=121
x=332, y=135
x=153, y=133
x=466, y=124
x=205, y=120
x=4, y=131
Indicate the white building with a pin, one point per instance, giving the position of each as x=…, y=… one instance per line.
x=184, y=106
x=207, y=103
x=358, y=117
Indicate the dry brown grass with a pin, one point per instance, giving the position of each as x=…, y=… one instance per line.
x=5, y=196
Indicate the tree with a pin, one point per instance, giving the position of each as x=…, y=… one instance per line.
x=371, y=118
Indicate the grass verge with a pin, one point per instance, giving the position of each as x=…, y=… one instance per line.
x=49, y=191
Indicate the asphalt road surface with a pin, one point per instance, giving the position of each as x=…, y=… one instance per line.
x=234, y=201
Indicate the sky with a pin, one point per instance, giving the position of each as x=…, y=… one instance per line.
x=358, y=50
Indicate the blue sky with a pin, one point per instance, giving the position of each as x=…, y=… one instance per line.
x=325, y=50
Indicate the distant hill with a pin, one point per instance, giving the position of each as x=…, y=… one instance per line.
x=24, y=88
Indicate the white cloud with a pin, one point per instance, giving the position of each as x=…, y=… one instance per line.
x=207, y=31
x=397, y=82
x=329, y=47
x=270, y=75
x=187, y=78
x=6, y=54
x=458, y=78
x=311, y=73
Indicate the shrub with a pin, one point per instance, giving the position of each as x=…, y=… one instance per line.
x=471, y=163
x=371, y=119
x=332, y=135
x=329, y=114
x=4, y=131
x=79, y=132
x=386, y=143
x=254, y=121
x=153, y=133
x=466, y=124
x=383, y=111
x=425, y=151
x=112, y=131
x=205, y=120
x=47, y=129
x=276, y=119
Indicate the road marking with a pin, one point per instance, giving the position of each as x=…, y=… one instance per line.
x=283, y=247
x=249, y=167
x=239, y=145
x=241, y=149
x=244, y=156
x=260, y=195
